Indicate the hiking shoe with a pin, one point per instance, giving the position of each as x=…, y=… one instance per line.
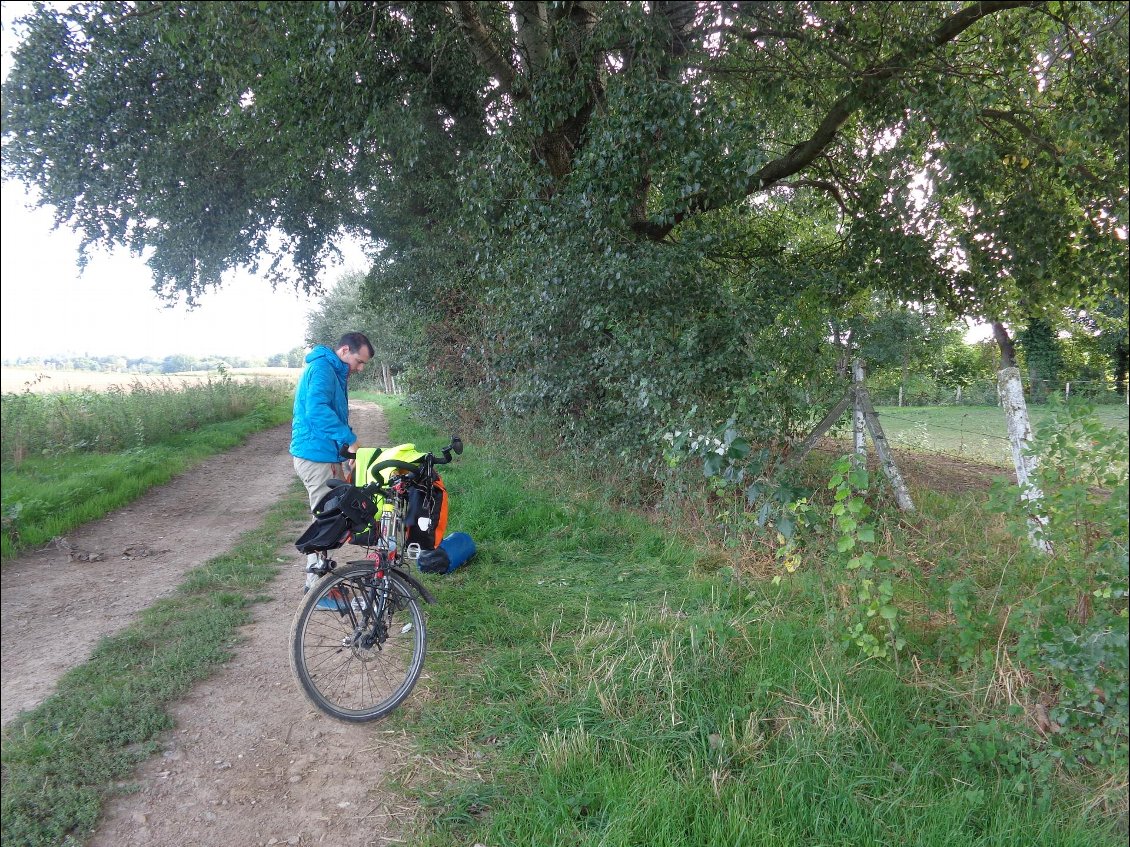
x=333, y=602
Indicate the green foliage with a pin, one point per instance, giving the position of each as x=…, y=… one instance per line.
x=606, y=214
x=872, y=618
x=1072, y=632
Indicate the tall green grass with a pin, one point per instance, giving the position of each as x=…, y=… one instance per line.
x=121, y=419
x=597, y=680
x=69, y=459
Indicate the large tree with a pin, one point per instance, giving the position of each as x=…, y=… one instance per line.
x=602, y=206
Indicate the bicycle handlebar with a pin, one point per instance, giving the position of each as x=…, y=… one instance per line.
x=413, y=470
x=456, y=447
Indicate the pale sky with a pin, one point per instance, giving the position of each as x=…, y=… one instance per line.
x=46, y=307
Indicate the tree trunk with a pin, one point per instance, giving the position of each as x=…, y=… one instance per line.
x=902, y=381
x=1005, y=345
x=1010, y=391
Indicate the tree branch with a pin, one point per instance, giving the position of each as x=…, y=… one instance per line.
x=823, y=185
x=1005, y=344
x=865, y=89
x=1013, y=120
x=483, y=47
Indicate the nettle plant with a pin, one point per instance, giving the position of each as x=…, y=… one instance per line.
x=1072, y=631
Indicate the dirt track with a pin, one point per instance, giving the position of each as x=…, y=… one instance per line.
x=249, y=762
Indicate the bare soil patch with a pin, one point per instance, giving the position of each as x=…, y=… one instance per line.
x=932, y=471
x=250, y=761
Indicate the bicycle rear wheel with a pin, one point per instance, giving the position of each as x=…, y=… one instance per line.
x=351, y=665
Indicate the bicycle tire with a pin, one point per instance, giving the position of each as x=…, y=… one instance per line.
x=345, y=679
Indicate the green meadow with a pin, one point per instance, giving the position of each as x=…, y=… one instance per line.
x=975, y=433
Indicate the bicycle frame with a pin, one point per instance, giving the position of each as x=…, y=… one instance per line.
x=389, y=558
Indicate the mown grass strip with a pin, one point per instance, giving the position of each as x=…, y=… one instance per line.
x=48, y=496
x=594, y=684
x=64, y=758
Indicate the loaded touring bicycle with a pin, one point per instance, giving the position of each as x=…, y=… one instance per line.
x=358, y=639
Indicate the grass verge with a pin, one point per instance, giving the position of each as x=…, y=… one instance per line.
x=600, y=681
x=48, y=496
x=65, y=757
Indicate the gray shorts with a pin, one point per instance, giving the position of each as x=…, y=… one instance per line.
x=316, y=476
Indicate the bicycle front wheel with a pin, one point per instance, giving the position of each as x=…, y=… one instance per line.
x=354, y=660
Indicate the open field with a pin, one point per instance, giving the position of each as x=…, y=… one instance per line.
x=45, y=380
x=976, y=433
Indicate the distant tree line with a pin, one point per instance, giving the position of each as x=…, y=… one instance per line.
x=176, y=363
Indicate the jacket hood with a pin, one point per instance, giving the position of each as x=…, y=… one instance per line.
x=324, y=352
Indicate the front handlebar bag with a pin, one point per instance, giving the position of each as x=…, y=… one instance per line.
x=343, y=509
x=328, y=532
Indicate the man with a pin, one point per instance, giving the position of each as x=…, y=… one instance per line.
x=320, y=428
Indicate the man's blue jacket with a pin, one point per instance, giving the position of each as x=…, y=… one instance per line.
x=321, y=408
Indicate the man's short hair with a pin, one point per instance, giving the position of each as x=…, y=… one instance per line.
x=355, y=341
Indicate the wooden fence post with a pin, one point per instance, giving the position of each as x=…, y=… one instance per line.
x=820, y=429
x=883, y=448
x=1011, y=393
x=857, y=418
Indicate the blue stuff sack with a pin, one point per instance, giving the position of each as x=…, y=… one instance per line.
x=453, y=552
